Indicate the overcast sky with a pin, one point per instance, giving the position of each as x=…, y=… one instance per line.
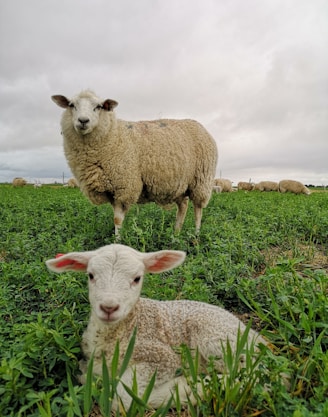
x=253, y=72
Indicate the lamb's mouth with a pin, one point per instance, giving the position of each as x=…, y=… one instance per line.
x=109, y=319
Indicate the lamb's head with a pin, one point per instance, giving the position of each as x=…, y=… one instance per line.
x=85, y=110
x=115, y=275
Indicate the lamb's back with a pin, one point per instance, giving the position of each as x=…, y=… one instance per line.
x=186, y=322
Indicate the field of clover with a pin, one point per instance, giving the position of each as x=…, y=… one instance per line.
x=262, y=256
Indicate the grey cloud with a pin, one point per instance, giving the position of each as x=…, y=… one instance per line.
x=254, y=73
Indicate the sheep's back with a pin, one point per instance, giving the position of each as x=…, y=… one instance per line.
x=174, y=155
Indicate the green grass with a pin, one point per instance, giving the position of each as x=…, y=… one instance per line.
x=261, y=255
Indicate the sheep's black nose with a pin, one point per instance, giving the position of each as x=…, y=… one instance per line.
x=84, y=120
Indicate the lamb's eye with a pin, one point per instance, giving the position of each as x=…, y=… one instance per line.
x=98, y=107
x=137, y=280
x=71, y=105
x=91, y=277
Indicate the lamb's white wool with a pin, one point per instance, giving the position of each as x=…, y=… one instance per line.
x=163, y=161
x=116, y=273
x=267, y=186
x=293, y=186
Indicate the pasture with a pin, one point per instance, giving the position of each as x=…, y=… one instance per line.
x=262, y=256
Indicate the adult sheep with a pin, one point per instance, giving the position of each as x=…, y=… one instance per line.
x=19, y=182
x=116, y=274
x=163, y=161
x=293, y=186
x=246, y=186
x=72, y=183
x=225, y=184
x=267, y=186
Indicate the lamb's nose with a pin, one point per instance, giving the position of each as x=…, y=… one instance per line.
x=109, y=310
x=83, y=120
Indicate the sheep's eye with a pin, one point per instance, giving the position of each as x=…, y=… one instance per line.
x=137, y=280
x=91, y=277
x=98, y=107
x=71, y=105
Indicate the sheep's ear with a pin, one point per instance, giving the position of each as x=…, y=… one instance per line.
x=164, y=260
x=75, y=261
x=61, y=101
x=109, y=104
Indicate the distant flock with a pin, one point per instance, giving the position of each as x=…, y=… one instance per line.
x=220, y=185
x=223, y=185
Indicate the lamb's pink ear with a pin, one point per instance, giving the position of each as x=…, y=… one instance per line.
x=74, y=261
x=164, y=260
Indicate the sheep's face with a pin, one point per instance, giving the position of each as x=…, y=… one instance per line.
x=85, y=110
x=115, y=274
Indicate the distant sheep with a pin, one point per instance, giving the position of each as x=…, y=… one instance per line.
x=19, y=182
x=72, y=183
x=267, y=186
x=292, y=186
x=246, y=186
x=37, y=184
x=116, y=275
x=163, y=161
x=225, y=184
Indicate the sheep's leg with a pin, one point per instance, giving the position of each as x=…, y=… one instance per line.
x=119, y=214
x=181, y=213
x=198, y=216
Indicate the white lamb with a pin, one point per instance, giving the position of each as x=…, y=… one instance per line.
x=123, y=163
x=116, y=275
x=293, y=186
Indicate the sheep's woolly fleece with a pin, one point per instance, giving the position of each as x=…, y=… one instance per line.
x=225, y=184
x=163, y=161
x=293, y=186
x=246, y=186
x=19, y=182
x=267, y=186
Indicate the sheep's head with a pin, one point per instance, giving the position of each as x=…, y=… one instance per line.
x=115, y=275
x=85, y=109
